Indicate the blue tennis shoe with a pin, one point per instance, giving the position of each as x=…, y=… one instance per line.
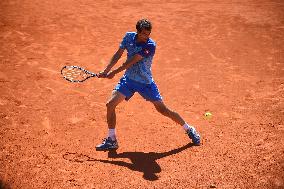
x=194, y=136
x=107, y=144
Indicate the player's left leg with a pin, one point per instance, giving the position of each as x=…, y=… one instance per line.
x=164, y=110
x=151, y=93
x=190, y=130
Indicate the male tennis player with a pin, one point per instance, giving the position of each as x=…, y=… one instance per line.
x=137, y=78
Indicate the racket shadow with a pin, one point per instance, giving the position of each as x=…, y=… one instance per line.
x=145, y=163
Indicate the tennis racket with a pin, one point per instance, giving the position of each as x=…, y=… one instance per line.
x=76, y=74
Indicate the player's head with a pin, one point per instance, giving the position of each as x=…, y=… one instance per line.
x=143, y=24
x=144, y=28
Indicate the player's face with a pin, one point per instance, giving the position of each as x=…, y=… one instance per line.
x=143, y=36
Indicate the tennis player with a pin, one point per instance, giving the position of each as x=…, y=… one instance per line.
x=137, y=78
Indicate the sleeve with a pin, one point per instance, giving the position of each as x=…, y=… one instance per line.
x=148, y=51
x=123, y=42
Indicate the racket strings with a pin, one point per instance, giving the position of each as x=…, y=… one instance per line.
x=74, y=74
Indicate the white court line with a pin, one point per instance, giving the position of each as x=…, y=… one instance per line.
x=50, y=70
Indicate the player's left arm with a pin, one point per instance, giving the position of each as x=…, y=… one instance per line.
x=136, y=58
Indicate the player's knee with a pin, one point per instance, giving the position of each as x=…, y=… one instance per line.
x=110, y=105
x=163, y=110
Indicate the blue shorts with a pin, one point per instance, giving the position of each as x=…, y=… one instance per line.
x=128, y=87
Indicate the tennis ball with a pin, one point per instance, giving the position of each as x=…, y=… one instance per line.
x=208, y=115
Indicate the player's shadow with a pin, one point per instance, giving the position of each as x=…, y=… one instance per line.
x=140, y=161
x=4, y=185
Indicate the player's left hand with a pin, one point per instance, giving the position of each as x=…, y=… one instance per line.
x=102, y=74
x=110, y=75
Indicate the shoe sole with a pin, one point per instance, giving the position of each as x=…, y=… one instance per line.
x=197, y=144
x=107, y=149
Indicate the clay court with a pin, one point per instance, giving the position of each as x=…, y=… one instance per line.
x=225, y=57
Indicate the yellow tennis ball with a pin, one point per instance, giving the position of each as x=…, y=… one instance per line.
x=208, y=115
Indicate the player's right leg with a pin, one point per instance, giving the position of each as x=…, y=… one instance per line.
x=114, y=100
x=110, y=142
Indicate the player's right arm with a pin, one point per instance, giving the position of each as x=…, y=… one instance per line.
x=112, y=62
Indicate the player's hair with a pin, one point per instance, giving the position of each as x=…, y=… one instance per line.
x=143, y=24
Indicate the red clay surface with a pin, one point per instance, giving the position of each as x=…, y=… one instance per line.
x=221, y=56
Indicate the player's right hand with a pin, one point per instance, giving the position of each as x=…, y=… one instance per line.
x=102, y=74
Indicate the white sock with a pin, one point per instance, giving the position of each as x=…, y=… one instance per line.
x=186, y=127
x=111, y=134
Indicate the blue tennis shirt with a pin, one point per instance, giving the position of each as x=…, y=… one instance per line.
x=140, y=71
